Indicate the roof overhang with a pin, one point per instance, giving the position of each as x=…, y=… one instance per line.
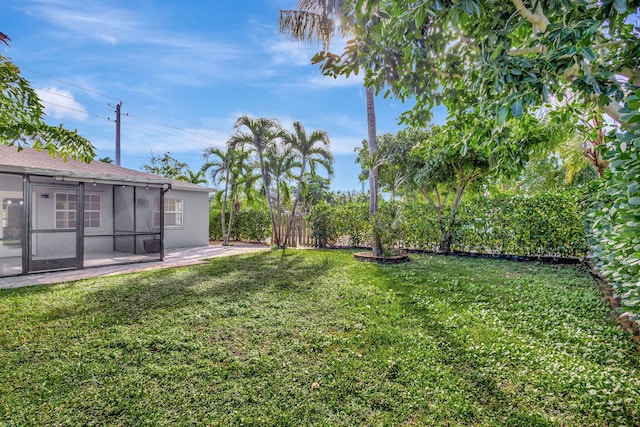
x=102, y=178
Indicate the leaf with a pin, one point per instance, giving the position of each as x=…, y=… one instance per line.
x=634, y=201
x=496, y=52
x=588, y=53
x=620, y=5
x=421, y=16
x=502, y=116
x=517, y=108
x=470, y=7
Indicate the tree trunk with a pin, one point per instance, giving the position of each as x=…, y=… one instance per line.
x=278, y=216
x=267, y=193
x=233, y=208
x=225, y=236
x=295, y=203
x=376, y=245
x=447, y=235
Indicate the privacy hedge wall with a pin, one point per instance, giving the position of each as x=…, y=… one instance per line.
x=249, y=225
x=614, y=219
x=543, y=225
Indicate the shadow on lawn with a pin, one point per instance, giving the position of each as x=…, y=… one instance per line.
x=130, y=298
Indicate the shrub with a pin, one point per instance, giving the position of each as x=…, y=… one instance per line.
x=614, y=219
x=252, y=225
x=322, y=224
x=542, y=225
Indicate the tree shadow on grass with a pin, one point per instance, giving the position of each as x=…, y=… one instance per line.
x=129, y=298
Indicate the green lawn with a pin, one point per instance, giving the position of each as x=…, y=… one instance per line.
x=315, y=338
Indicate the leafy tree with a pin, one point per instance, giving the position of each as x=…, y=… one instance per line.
x=510, y=55
x=315, y=189
x=166, y=165
x=395, y=163
x=311, y=150
x=446, y=160
x=259, y=136
x=22, y=118
x=106, y=160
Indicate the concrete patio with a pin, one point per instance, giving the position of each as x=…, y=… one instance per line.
x=173, y=258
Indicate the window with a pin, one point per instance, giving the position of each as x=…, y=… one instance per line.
x=66, y=205
x=92, y=211
x=173, y=212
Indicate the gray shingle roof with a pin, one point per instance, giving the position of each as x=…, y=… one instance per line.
x=29, y=160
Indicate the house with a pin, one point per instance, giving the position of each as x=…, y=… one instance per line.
x=70, y=215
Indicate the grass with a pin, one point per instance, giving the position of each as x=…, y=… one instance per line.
x=315, y=338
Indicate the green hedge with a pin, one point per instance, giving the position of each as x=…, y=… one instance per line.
x=614, y=220
x=249, y=225
x=544, y=225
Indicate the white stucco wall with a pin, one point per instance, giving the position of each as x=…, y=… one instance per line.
x=195, y=228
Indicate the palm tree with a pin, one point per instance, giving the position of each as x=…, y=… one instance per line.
x=238, y=169
x=279, y=163
x=316, y=20
x=194, y=177
x=259, y=137
x=221, y=164
x=312, y=150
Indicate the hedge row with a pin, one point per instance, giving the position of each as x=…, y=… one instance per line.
x=249, y=225
x=614, y=220
x=544, y=225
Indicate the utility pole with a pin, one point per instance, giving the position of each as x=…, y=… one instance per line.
x=118, y=133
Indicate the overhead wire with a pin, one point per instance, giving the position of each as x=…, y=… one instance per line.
x=133, y=116
x=123, y=101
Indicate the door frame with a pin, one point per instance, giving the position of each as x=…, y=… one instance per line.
x=32, y=229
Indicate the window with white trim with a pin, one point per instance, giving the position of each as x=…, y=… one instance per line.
x=92, y=210
x=173, y=212
x=66, y=206
x=65, y=210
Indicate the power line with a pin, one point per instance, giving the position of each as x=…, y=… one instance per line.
x=72, y=98
x=168, y=126
x=140, y=127
x=70, y=84
x=169, y=134
x=74, y=109
x=127, y=102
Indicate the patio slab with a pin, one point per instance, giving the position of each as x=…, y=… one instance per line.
x=173, y=258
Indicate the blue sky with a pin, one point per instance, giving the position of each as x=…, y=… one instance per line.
x=184, y=72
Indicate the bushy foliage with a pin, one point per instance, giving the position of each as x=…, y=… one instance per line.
x=546, y=224
x=542, y=225
x=352, y=220
x=615, y=215
x=251, y=225
x=323, y=227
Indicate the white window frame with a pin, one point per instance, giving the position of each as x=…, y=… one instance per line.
x=99, y=210
x=66, y=225
x=178, y=213
x=66, y=220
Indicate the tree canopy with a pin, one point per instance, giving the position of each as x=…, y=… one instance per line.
x=22, y=118
x=500, y=57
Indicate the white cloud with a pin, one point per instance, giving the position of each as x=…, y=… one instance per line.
x=290, y=53
x=109, y=40
x=320, y=81
x=60, y=103
x=344, y=144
